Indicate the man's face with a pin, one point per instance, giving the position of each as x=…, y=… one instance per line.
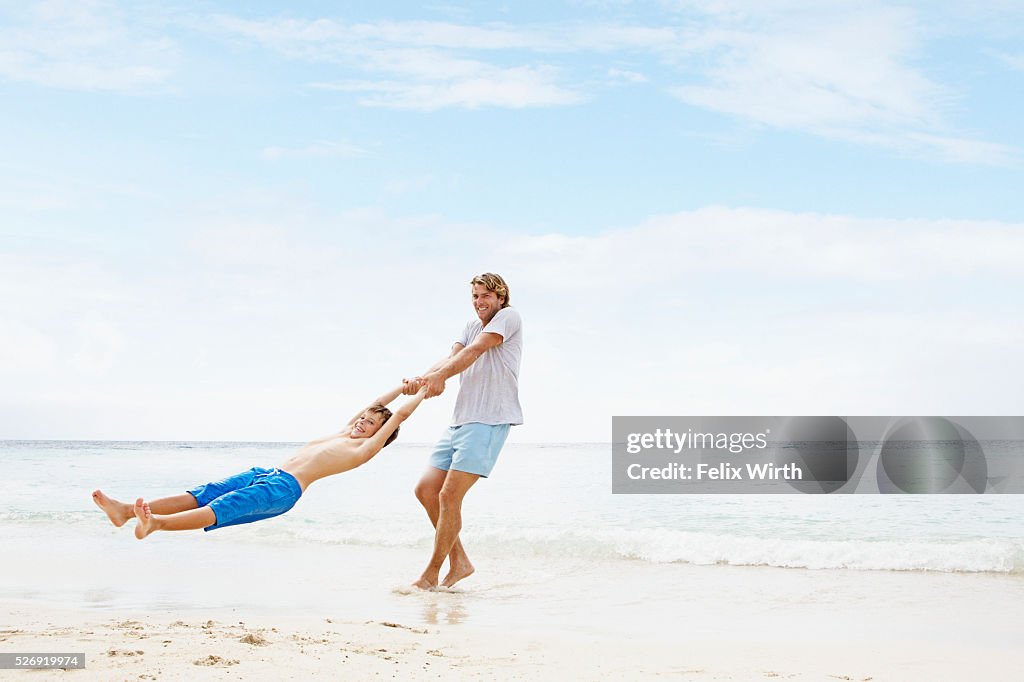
x=485, y=302
x=367, y=425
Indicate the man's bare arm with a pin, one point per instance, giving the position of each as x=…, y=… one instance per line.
x=412, y=385
x=456, y=347
x=459, y=361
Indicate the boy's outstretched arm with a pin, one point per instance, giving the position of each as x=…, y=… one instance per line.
x=384, y=399
x=376, y=442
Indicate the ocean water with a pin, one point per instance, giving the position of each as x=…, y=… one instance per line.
x=544, y=532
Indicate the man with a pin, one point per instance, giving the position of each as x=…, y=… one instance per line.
x=487, y=358
x=260, y=493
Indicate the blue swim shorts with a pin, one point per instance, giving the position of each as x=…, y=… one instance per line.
x=472, y=448
x=250, y=496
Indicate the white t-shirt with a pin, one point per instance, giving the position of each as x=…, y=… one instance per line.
x=489, y=388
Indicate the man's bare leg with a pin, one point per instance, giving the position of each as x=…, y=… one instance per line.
x=427, y=491
x=449, y=523
x=121, y=512
x=193, y=519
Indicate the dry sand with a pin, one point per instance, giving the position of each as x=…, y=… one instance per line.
x=230, y=646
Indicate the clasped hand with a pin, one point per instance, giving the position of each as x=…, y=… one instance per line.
x=433, y=382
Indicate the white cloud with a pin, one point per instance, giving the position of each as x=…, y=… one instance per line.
x=24, y=348
x=83, y=46
x=425, y=64
x=270, y=329
x=416, y=183
x=329, y=39
x=757, y=242
x=837, y=69
x=955, y=149
x=322, y=149
x=746, y=311
x=626, y=76
x=1014, y=61
x=841, y=70
x=416, y=65
x=33, y=198
x=513, y=88
x=97, y=346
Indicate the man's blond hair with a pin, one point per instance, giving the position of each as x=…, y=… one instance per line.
x=494, y=283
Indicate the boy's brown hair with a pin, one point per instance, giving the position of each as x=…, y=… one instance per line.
x=385, y=414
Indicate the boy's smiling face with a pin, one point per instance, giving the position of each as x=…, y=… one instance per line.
x=367, y=424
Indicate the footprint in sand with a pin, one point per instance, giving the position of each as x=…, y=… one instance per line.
x=213, y=660
x=256, y=639
x=389, y=624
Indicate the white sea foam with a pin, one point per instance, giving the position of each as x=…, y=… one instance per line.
x=569, y=513
x=666, y=546
x=660, y=545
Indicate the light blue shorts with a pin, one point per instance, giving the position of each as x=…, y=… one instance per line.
x=252, y=495
x=472, y=448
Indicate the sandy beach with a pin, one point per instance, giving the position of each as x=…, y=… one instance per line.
x=705, y=310
x=579, y=584
x=738, y=623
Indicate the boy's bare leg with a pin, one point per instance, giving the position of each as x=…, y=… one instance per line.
x=427, y=491
x=174, y=504
x=449, y=523
x=193, y=519
x=120, y=512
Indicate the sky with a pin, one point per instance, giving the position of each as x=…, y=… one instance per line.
x=243, y=221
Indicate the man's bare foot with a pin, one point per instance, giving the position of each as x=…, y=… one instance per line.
x=457, y=573
x=424, y=584
x=146, y=524
x=117, y=512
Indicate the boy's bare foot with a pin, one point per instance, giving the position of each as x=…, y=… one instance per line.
x=424, y=584
x=146, y=524
x=117, y=512
x=457, y=573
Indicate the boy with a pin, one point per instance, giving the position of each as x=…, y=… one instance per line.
x=261, y=493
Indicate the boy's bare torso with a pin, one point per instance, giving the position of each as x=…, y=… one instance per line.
x=327, y=456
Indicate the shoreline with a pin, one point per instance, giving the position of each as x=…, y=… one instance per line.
x=684, y=622
x=577, y=584
x=233, y=644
